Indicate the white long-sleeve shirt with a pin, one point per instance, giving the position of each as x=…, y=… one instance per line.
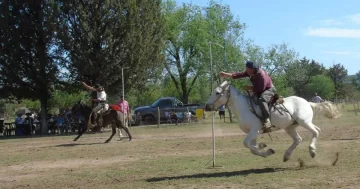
x=101, y=95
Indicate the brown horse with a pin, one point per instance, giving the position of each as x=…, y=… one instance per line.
x=109, y=117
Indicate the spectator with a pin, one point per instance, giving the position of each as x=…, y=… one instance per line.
x=124, y=107
x=317, y=98
x=222, y=111
x=2, y=119
x=30, y=121
x=18, y=119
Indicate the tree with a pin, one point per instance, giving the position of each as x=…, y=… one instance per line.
x=322, y=85
x=101, y=37
x=187, y=41
x=277, y=58
x=29, y=56
x=298, y=75
x=355, y=81
x=338, y=74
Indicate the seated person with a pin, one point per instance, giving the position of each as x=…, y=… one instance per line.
x=29, y=120
x=18, y=119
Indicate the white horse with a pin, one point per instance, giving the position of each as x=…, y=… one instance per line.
x=292, y=112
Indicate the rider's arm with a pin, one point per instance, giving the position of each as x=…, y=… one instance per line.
x=236, y=75
x=88, y=87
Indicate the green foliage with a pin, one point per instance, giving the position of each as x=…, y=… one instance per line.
x=281, y=87
x=338, y=74
x=32, y=105
x=101, y=37
x=188, y=30
x=28, y=58
x=63, y=100
x=277, y=58
x=322, y=85
x=299, y=73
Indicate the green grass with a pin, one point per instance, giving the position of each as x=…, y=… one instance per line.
x=181, y=157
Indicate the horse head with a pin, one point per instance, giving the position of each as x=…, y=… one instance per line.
x=77, y=107
x=218, y=97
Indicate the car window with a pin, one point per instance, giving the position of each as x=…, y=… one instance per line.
x=177, y=102
x=164, y=103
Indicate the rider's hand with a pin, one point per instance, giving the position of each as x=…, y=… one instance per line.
x=223, y=74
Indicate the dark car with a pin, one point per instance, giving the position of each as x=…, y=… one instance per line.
x=149, y=114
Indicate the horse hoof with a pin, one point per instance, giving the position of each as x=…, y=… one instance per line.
x=286, y=159
x=271, y=151
x=262, y=145
x=75, y=139
x=312, y=154
x=130, y=139
x=107, y=141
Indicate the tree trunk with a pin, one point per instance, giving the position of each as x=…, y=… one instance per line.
x=185, y=97
x=43, y=114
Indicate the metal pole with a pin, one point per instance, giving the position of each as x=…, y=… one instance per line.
x=122, y=80
x=212, y=119
x=211, y=70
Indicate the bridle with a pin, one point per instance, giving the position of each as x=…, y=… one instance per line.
x=222, y=93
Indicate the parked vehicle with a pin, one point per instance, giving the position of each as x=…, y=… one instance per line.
x=149, y=114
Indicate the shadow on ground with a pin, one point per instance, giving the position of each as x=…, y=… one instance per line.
x=221, y=174
x=78, y=144
x=345, y=139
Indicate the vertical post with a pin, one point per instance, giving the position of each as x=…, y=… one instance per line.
x=123, y=92
x=211, y=70
x=158, y=113
x=212, y=113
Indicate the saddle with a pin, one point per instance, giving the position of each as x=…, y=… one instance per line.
x=99, y=118
x=274, y=101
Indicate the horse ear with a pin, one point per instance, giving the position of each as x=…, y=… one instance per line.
x=225, y=84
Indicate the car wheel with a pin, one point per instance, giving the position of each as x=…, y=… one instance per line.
x=149, y=119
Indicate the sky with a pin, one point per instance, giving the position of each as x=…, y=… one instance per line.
x=327, y=31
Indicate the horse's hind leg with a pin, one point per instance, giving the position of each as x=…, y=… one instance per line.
x=291, y=130
x=126, y=130
x=113, y=127
x=315, y=131
x=81, y=131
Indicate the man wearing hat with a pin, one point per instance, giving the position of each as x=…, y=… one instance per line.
x=125, y=110
x=101, y=98
x=262, y=86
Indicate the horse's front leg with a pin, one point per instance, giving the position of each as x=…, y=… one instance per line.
x=81, y=131
x=250, y=142
x=113, y=127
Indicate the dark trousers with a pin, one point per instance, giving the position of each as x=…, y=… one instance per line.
x=264, y=99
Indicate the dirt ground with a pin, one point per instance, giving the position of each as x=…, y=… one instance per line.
x=177, y=157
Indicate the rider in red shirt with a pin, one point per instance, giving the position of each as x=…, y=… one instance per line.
x=262, y=86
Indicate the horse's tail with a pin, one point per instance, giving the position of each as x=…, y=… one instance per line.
x=327, y=109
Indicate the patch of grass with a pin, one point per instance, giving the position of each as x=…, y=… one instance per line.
x=180, y=157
